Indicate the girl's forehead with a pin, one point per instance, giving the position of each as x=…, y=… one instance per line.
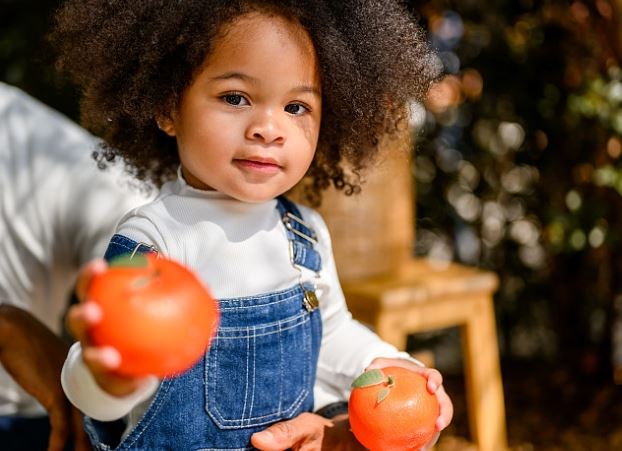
x=263, y=53
x=259, y=36
x=253, y=26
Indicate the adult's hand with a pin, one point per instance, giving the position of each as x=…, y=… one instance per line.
x=340, y=437
x=33, y=355
x=307, y=432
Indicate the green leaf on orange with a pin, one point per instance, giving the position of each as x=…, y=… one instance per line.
x=129, y=261
x=382, y=394
x=369, y=378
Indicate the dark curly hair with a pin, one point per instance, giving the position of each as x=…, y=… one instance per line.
x=133, y=60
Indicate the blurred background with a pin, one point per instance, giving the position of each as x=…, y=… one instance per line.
x=518, y=170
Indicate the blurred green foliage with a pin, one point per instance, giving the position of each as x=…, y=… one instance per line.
x=518, y=166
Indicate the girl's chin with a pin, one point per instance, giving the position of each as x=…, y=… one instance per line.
x=255, y=197
x=257, y=193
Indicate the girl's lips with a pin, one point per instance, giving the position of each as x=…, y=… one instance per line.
x=265, y=165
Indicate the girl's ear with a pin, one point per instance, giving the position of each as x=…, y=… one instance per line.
x=166, y=124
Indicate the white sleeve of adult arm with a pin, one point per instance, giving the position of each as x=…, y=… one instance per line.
x=84, y=393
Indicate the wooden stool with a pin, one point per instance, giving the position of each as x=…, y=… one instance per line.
x=425, y=296
x=373, y=236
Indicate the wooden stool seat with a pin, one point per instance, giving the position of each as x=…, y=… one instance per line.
x=424, y=296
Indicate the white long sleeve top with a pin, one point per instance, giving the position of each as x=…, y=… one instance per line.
x=238, y=249
x=57, y=212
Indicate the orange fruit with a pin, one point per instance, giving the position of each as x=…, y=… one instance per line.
x=391, y=410
x=155, y=312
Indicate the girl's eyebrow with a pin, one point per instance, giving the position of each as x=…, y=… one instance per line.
x=238, y=75
x=249, y=79
x=310, y=89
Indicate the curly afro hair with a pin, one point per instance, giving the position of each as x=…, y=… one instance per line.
x=133, y=59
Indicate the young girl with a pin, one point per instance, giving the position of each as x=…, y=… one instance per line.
x=231, y=104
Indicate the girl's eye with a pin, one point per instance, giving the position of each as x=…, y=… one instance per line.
x=296, y=109
x=235, y=99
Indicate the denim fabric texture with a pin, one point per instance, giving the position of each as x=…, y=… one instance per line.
x=121, y=245
x=303, y=251
x=260, y=369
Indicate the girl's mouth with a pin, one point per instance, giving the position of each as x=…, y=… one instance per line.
x=264, y=165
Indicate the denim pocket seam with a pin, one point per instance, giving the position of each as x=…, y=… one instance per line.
x=213, y=408
x=289, y=294
x=233, y=333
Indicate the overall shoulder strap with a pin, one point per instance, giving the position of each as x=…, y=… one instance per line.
x=122, y=245
x=301, y=236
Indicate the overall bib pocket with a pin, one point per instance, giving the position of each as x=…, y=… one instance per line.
x=255, y=375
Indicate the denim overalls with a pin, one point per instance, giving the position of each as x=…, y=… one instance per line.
x=260, y=367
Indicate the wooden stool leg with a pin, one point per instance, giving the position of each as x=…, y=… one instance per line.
x=484, y=387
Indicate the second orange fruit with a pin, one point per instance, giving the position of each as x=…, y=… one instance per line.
x=391, y=410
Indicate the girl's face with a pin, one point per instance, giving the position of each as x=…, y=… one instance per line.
x=248, y=124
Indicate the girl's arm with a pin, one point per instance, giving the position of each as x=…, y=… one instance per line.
x=88, y=376
x=84, y=392
x=348, y=346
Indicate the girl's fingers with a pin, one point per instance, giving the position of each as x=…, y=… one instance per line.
x=446, y=409
x=81, y=317
x=86, y=274
x=435, y=379
x=101, y=359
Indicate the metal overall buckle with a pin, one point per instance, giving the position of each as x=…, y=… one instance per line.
x=310, y=300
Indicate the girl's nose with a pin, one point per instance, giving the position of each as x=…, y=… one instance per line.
x=265, y=128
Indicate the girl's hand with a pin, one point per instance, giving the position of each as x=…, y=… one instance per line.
x=434, y=386
x=102, y=361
